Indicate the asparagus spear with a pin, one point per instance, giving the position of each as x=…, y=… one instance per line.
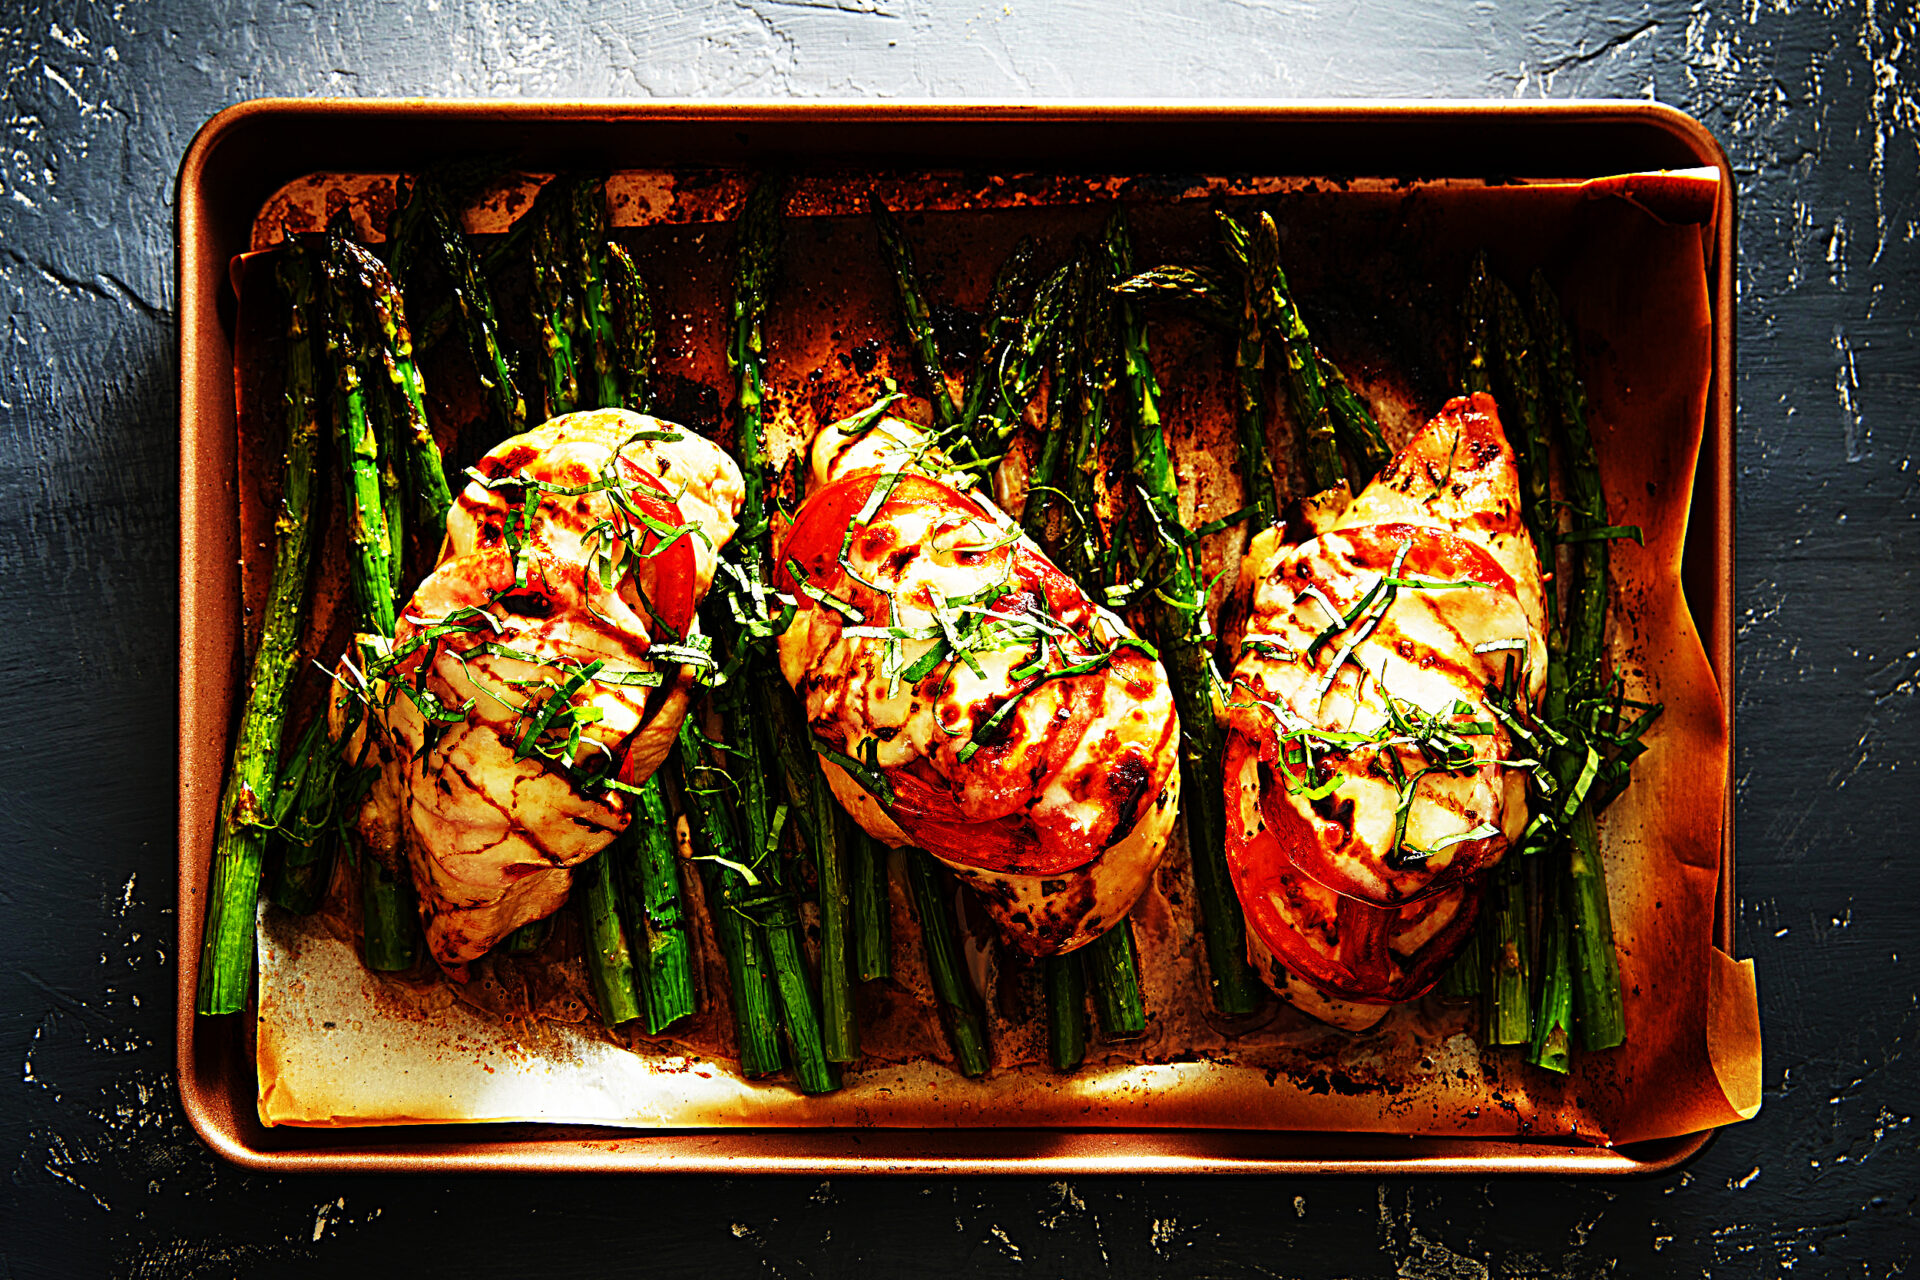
x=555, y=308
x=304, y=840
x=1113, y=964
x=1178, y=610
x=1017, y=372
x=1462, y=977
x=473, y=300
x=1066, y=990
x=1007, y=305
x=386, y=444
x=1508, y=1015
x=529, y=937
x=1518, y=368
x=812, y=800
x=1507, y=929
x=656, y=920
x=1354, y=424
x=872, y=908
x=633, y=330
x=600, y=362
x=1284, y=326
x=610, y=960
x=1552, y=1043
x=750, y=703
x=389, y=917
x=1041, y=518
x=406, y=392
x=226, y=955
x=1249, y=367
x=913, y=305
x=498, y=257
x=749, y=968
x=1598, y=1002
x=369, y=552
x=1476, y=371
x=935, y=908
x=1207, y=295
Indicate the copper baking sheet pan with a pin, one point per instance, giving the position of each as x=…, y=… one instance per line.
x=247, y=154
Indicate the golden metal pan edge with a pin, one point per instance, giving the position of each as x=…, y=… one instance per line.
x=229, y=169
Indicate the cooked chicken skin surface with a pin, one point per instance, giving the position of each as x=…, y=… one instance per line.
x=1370, y=777
x=525, y=666
x=1038, y=763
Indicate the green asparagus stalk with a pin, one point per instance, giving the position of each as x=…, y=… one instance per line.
x=831, y=856
x=1113, y=976
x=555, y=309
x=389, y=917
x=1598, y=1003
x=600, y=361
x=1007, y=307
x=1509, y=991
x=813, y=1072
x=473, y=302
x=1519, y=380
x=812, y=800
x=1204, y=294
x=919, y=318
x=407, y=393
x=1597, y=997
x=389, y=920
x=1507, y=930
x=304, y=839
x=226, y=955
x=1462, y=977
x=1249, y=367
x=1551, y=1048
x=1178, y=610
x=756, y=255
x=872, y=906
x=529, y=937
x=750, y=704
x=609, y=958
x=634, y=329
x=1354, y=424
x=1285, y=327
x=1086, y=559
x=965, y=1024
x=656, y=919
x=1042, y=518
x=386, y=443
x=1066, y=990
x=1028, y=356
x=369, y=552
x=498, y=257
x=749, y=968
x=1476, y=368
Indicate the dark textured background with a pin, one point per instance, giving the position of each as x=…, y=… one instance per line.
x=1818, y=107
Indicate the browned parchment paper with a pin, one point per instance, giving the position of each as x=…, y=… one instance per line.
x=1378, y=266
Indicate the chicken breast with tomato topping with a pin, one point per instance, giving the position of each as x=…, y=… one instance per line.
x=967, y=698
x=542, y=666
x=1371, y=769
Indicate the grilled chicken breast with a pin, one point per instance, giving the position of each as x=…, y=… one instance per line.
x=1370, y=773
x=967, y=697
x=526, y=670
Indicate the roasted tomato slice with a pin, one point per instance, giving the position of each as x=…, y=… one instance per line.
x=664, y=575
x=1350, y=949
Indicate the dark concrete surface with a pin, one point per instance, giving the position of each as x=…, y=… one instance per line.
x=1818, y=106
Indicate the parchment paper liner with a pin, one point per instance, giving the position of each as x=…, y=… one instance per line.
x=336, y=1045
